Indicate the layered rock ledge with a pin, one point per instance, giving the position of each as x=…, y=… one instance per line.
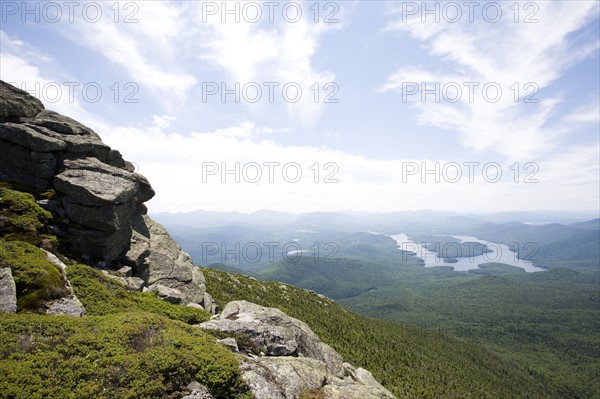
x=99, y=199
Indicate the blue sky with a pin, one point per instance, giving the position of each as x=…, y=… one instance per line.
x=155, y=64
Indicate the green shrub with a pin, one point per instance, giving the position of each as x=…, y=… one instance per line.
x=36, y=278
x=118, y=356
x=102, y=295
x=21, y=218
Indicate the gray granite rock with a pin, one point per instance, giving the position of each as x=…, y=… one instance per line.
x=275, y=333
x=197, y=391
x=8, y=291
x=16, y=103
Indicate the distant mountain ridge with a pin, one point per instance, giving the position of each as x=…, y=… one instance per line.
x=548, y=244
x=346, y=219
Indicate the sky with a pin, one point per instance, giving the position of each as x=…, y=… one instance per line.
x=330, y=105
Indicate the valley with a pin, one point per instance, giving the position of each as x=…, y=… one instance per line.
x=520, y=295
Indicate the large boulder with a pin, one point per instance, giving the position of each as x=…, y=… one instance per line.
x=93, y=183
x=283, y=377
x=275, y=333
x=288, y=377
x=359, y=384
x=89, y=181
x=100, y=201
x=293, y=359
x=167, y=269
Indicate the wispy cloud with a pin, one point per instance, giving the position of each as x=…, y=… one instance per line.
x=31, y=69
x=279, y=52
x=172, y=48
x=144, y=42
x=589, y=113
x=502, y=53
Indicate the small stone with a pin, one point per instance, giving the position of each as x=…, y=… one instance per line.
x=125, y=271
x=168, y=294
x=197, y=391
x=69, y=306
x=231, y=343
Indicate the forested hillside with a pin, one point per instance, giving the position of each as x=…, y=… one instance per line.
x=410, y=361
x=548, y=319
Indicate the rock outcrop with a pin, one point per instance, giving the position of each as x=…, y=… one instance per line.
x=99, y=199
x=274, y=333
x=167, y=270
x=291, y=357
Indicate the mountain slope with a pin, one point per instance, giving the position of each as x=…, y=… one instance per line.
x=128, y=345
x=574, y=246
x=409, y=361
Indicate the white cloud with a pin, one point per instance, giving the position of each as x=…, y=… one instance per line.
x=30, y=69
x=145, y=47
x=502, y=53
x=170, y=50
x=162, y=121
x=586, y=114
x=179, y=167
x=278, y=52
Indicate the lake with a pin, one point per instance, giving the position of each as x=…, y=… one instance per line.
x=500, y=254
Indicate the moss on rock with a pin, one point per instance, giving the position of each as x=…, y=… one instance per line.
x=36, y=278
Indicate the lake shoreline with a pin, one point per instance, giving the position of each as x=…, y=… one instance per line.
x=502, y=254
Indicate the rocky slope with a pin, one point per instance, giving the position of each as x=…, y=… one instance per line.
x=286, y=358
x=99, y=199
x=100, y=217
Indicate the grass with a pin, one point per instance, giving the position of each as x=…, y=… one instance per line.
x=101, y=295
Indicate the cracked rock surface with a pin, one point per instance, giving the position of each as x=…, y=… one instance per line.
x=98, y=197
x=292, y=359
